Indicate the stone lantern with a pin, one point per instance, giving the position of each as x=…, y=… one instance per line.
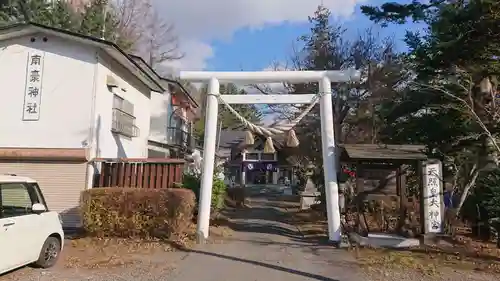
x=310, y=195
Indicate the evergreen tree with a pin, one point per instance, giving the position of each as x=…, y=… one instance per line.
x=62, y=16
x=227, y=120
x=98, y=18
x=451, y=103
x=25, y=11
x=325, y=48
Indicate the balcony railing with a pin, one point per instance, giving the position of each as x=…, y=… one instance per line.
x=124, y=123
x=178, y=137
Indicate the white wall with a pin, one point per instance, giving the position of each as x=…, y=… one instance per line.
x=74, y=79
x=106, y=143
x=66, y=98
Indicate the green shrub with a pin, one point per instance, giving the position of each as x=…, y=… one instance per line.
x=193, y=182
x=137, y=212
x=218, y=194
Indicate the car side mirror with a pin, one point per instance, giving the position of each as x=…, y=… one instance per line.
x=38, y=208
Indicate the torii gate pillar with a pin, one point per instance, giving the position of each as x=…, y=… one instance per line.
x=324, y=78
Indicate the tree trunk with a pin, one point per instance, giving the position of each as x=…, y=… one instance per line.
x=467, y=188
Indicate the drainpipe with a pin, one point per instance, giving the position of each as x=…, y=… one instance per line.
x=91, y=134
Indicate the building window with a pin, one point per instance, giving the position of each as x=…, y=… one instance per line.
x=156, y=154
x=123, y=118
x=252, y=156
x=267, y=156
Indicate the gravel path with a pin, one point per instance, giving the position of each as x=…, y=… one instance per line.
x=261, y=248
x=265, y=249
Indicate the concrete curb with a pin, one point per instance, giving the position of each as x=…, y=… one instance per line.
x=379, y=240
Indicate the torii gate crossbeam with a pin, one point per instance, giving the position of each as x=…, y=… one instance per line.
x=324, y=78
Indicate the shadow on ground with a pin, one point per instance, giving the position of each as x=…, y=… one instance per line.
x=270, y=214
x=266, y=265
x=263, y=245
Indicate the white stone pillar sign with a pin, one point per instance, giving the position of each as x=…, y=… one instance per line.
x=432, y=197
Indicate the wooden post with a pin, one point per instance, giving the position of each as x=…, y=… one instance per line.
x=403, y=198
x=360, y=202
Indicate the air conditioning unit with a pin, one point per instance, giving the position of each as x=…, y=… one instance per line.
x=111, y=81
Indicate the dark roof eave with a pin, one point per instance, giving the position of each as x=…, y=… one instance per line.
x=143, y=62
x=415, y=158
x=384, y=152
x=166, y=79
x=183, y=89
x=108, y=46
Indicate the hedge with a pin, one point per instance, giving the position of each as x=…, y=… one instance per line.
x=137, y=212
x=193, y=182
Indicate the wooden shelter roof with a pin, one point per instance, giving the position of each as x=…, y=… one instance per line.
x=382, y=152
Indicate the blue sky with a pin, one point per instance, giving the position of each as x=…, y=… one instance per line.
x=252, y=34
x=257, y=49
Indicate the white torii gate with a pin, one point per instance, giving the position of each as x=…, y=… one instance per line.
x=324, y=78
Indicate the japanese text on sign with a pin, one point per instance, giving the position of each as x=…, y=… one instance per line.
x=433, y=191
x=33, y=90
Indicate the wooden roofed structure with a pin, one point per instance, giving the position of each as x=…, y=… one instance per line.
x=381, y=174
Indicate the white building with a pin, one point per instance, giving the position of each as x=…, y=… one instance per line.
x=68, y=99
x=172, y=115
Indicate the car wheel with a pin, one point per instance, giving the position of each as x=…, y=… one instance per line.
x=50, y=253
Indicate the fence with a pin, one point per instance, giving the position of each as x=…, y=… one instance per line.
x=139, y=173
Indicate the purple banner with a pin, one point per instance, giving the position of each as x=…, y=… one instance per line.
x=265, y=166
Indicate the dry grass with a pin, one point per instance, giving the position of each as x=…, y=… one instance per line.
x=92, y=253
x=311, y=223
x=381, y=260
x=425, y=261
x=472, y=256
x=219, y=229
x=462, y=254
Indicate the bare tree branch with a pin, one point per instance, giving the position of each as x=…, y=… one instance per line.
x=150, y=35
x=471, y=110
x=131, y=15
x=159, y=43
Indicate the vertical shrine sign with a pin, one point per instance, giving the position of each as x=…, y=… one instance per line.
x=33, y=89
x=432, y=196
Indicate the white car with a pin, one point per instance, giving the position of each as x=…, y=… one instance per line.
x=29, y=232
